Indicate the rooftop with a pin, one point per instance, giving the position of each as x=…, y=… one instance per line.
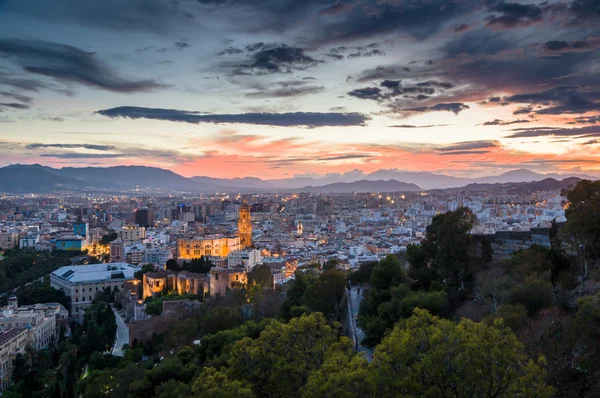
x=9, y=335
x=96, y=272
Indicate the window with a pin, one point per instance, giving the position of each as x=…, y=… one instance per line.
x=76, y=299
x=76, y=290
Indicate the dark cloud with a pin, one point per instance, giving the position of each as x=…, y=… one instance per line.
x=73, y=146
x=464, y=153
x=394, y=88
x=304, y=119
x=454, y=107
x=16, y=96
x=371, y=93
x=286, y=92
x=555, y=45
x=347, y=156
x=273, y=58
x=182, y=45
x=514, y=15
x=561, y=99
x=336, y=8
x=586, y=120
x=13, y=105
x=76, y=155
x=590, y=131
x=463, y=27
x=231, y=51
x=469, y=145
x=523, y=110
x=371, y=53
x=157, y=16
x=411, y=126
x=70, y=64
x=498, y=122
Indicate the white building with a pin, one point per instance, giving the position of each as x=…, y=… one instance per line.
x=82, y=282
x=12, y=342
x=29, y=241
x=246, y=258
x=40, y=321
x=157, y=256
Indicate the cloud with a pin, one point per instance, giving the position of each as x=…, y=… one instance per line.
x=580, y=132
x=286, y=92
x=305, y=119
x=73, y=146
x=498, y=122
x=561, y=99
x=16, y=96
x=454, y=107
x=182, y=45
x=514, y=15
x=469, y=145
x=523, y=109
x=271, y=58
x=70, y=64
x=76, y=155
x=463, y=27
x=13, y=105
x=336, y=8
x=410, y=126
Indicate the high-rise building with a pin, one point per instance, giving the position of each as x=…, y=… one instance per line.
x=144, y=217
x=245, y=226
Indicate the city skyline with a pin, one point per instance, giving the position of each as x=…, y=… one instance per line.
x=277, y=89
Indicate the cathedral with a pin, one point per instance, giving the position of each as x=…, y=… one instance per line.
x=245, y=226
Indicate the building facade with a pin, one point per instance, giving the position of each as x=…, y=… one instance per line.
x=82, y=282
x=132, y=234
x=184, y=282
x=245, y=226
x=246, y=258
x=8, y=240
x=12, y=342
x=213, y=245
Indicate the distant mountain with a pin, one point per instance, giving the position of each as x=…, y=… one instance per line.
x=547, y=184
x=35, y=178
x=363, y=186
x=423, y=179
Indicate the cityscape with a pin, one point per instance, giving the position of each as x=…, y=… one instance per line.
x=317, y=198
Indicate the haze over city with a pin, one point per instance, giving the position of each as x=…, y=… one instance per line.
x=281, y=89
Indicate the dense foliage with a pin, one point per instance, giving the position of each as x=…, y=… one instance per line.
x=20, y=267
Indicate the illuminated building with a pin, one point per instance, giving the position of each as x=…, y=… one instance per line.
x=245, y=226
x=184, y=282
x=222, y=279
x=212, y=245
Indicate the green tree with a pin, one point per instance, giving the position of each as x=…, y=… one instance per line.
x=261, y=275
x=437, y=357
x=281, y=360
x=216, y=384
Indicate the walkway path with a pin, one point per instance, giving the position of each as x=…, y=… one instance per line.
x=122, y=337
x=353, y=307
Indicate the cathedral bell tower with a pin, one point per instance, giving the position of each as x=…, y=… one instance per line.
x=245, y=226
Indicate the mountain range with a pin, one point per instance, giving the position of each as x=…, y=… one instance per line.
x=36, y=178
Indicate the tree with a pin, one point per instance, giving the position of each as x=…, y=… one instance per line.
x=582, y=229
x=430, y=356
x=261, y=275
x=493, y=287
x=219, y=318
x=341, y=376
x=453, y=246
x=282, y=359
x=534, y=294
x=363, y=273
x=216, y=384
x=172, y=389
x=172, y=265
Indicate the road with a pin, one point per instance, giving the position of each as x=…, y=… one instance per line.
x=354, y=305
x=122, y=337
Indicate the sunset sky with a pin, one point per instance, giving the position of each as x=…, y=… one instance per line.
x=283, y=88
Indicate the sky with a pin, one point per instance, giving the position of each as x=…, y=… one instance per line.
x=298, y=88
